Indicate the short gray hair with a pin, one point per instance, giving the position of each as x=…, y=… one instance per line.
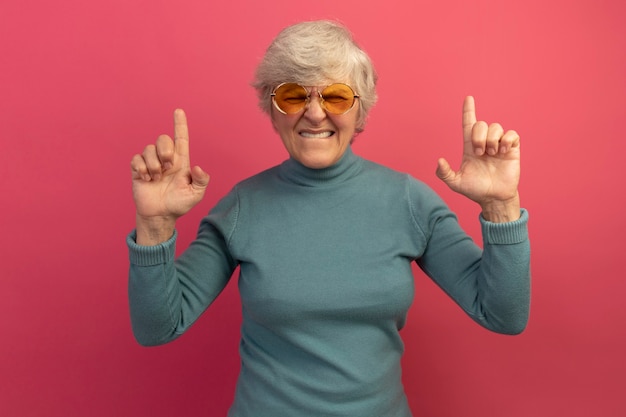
x=312, y=53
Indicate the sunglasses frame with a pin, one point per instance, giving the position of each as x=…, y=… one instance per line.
x=308, y=98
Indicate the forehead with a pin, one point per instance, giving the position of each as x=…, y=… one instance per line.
x=316, y=80
x=317, y=85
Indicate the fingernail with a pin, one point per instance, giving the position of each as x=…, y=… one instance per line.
x=491, y=151
x=146, y=177
x=478, y=151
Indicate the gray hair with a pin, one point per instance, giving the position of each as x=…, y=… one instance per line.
x=311, y=54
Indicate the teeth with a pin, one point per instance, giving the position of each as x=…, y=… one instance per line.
x=320, y=135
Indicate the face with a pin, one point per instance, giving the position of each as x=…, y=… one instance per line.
x=315, y=138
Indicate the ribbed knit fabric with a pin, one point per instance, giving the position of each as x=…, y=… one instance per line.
x=326, y=282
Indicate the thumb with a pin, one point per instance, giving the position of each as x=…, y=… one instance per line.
x=444, y=172
x=199, y=178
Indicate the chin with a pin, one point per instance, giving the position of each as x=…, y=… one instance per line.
x=317, y=162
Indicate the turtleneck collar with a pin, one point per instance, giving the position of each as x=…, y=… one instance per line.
x=348, y=166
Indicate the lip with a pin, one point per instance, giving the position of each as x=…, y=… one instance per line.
x=316, y=134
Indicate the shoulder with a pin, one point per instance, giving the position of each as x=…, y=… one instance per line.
x=226, y=215
x=423, y=201
x=266, y=176
x=386, y=176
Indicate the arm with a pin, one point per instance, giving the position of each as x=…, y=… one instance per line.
x=166, y=296
x=492, y=285
x=165, y=299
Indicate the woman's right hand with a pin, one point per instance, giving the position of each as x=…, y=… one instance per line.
x=165, y=186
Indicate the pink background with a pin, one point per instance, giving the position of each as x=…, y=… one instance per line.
x=86, y=84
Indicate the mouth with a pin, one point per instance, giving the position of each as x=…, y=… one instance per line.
x=317, y=135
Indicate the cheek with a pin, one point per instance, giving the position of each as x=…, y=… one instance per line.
x=348, y=127
x=281, y=122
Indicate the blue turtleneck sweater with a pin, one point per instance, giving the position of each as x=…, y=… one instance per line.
x=325, y=282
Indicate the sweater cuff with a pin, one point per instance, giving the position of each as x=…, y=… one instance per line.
x=508, y=233
x=150, y=255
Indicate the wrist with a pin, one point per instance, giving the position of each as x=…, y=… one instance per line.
x=502, y=211
x=154, y=230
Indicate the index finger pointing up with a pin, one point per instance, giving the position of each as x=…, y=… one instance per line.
x=469, y=117
x=181, y=136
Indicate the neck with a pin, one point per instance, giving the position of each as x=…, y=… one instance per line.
x=348, y=165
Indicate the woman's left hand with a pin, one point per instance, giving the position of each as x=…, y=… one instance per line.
x=490, y=169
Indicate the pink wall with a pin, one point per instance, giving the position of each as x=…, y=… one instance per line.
x=85, y=85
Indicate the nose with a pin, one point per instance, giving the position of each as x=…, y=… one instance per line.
x=314, y=109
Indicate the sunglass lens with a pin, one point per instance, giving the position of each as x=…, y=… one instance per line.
x=338, y=98
x=290, y=97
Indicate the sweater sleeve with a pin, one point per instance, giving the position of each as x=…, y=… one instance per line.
x=492, y=284
x=167, y=295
